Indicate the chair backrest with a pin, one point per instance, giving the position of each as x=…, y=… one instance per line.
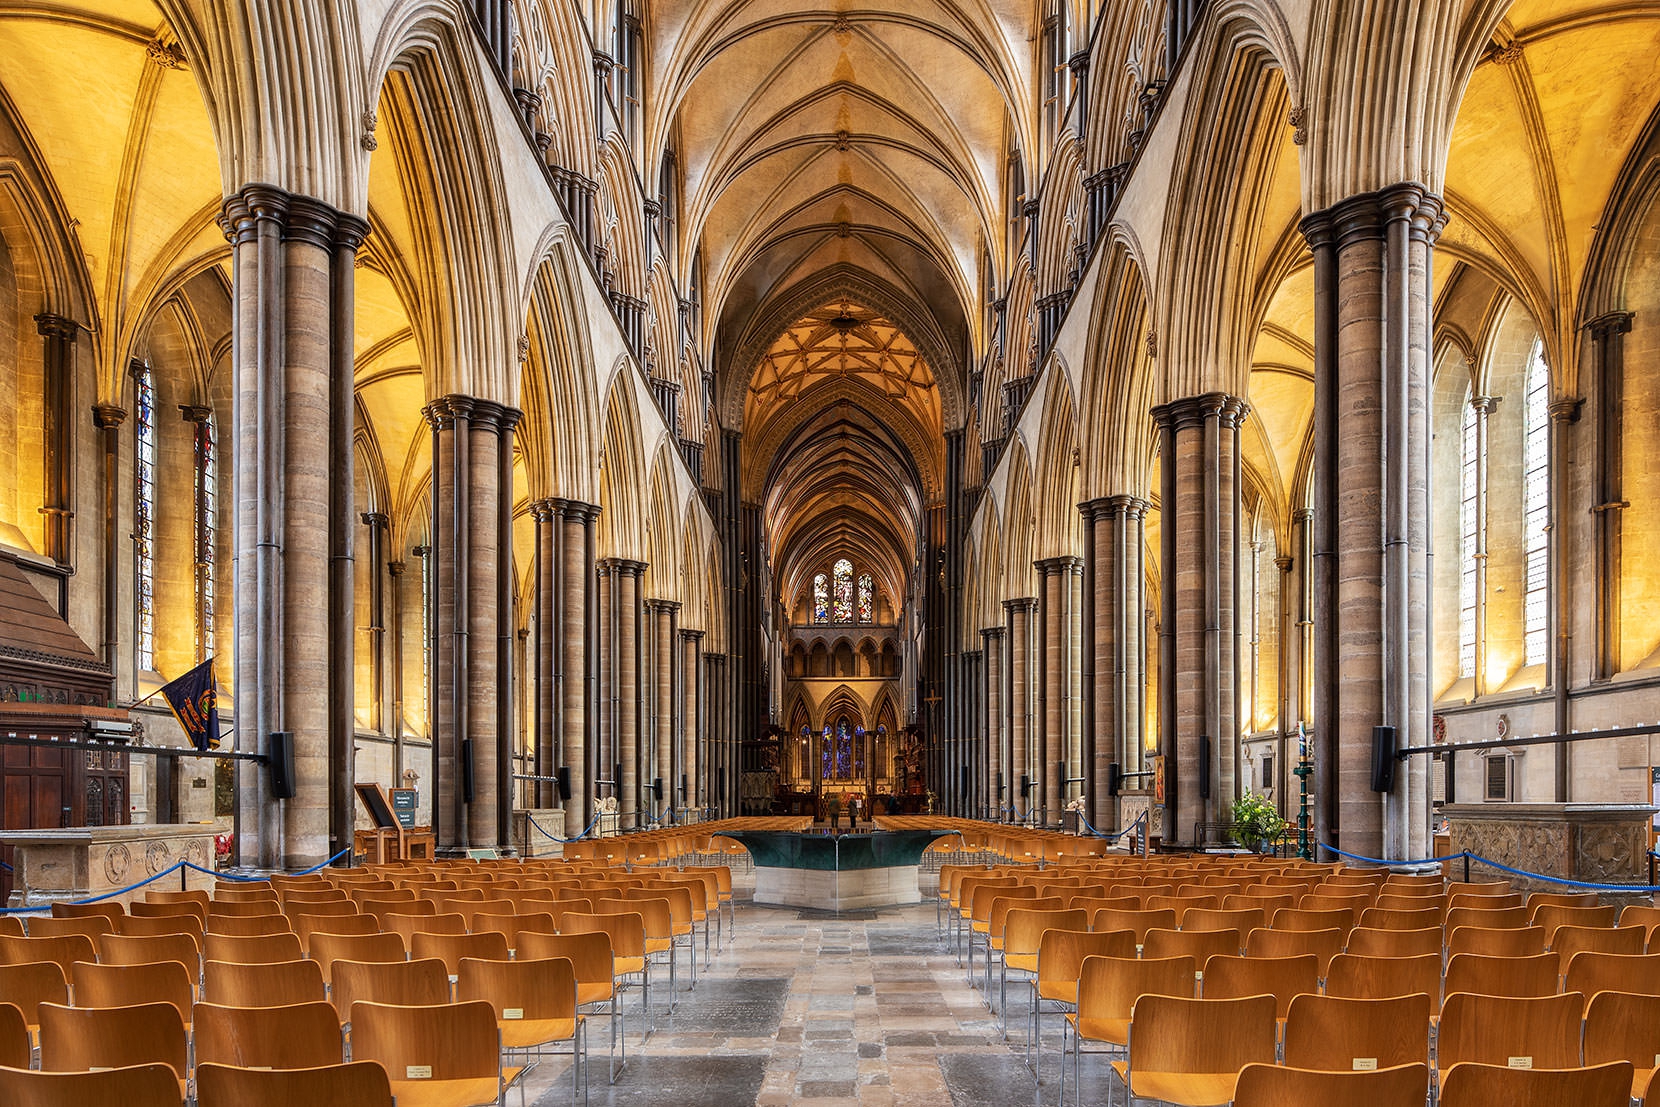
x=326, y=949
x=452, y=1041
x=132, y=1086
x=1138, y=922
x=1201, y=945
x=1268, y=942
x=1478, y=888
x=1591, y=972
x=142, y=925
x=1516, y=941
x=983, y=893
x=1330, y=1032
x=1620, y=1026
x=1180, y=1034
x=74, y=1039
x=249, y=949
x=543, y=988
x=1571, y=940
x=297, y=1036
x=1475, y=1085
x=1536, y=900
x=1489, y=918
x=512, y=926
x=452, y=948
x=1388, y=918
x=403, y=983
x=1517, y=977
x=53, y=926
x=1284, y=978
x=1061, y=956
x=32, y=983
x=262, y=984
x=250, y=924
x=1394, y=943
x=1301, y=918
x=1356, y=976
x=407, y=926
x=130, y=985
x=1640, y=914
x=64, y=950
x=997, y=924
x=1278, y=1086
x=1540, y=1032
x=1242, y=919
x=135, y=949
x=105, y=909
x=359, y=1084
x=15, y=1043
x=381, y=908
x=1023, y=928
x=236, y=908
x=308, y=926
x=1108, y=986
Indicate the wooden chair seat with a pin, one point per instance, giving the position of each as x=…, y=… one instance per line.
x=148, y=1085
x=1280, y=1086
x=359, y=1084
x=1479, y=1085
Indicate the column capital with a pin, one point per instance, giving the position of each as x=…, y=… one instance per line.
x=663, y=607
x=989, y=633
x=1052, y=566
x=691, y=635
x=1302, y=515
x=1369, y=214
x=576, y=510
x=446, y=411
x=376, y=519
x=1191, y=411
x=502, y=417
x=544, y=510
x=1079, y=63
x=1609, y=323
x=51, y=325
x=1566, y=410
x=239, y=219
x=1284, y=562
x=108, y=416
x=1486, y=405
x=195, y=413
x=622, y=566
x=395, y=568
x=1023, y=603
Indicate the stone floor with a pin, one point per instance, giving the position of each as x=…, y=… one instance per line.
x=808, y=1008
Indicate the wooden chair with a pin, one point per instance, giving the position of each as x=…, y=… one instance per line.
x=1341, y=919
x=295, y=1036
x=447, y=1055
x=1478, y=888
x=105, y=909
x=1353, y=976
x=383, y=909
x=1571, y=940
x=402, y=983
x=1323, y=944
x=11, y=926
x=149, y=926
x=1137, y=922
x=1490, y=919
x=62, y=951
x=1242, y=919
x=1380, y=918
x=132, y=1086
x=78, y=1039
x=1485, y=902
x=1279, y=1086
x=29, y=985
x=1329, y=1032
x=1481, y=1085
x=52, y=926
x=512, y=926
x=359, y=1084
x=1284, y=978
x=1023, y=931
x=153, y=895
x=249, y=924
x=16, y=1040
x=308, y=926
x=1639, y=914
x=1108, y=988
x=656, y=925
x=1552, y=915
x=1536, y=900
x=326, y=949
x=1541, y=1032
x=407, y=926
x=1520, y=941
x=1591, y=972
x=1620, y=1026
x=1201, y=945
x=1394, y=943
x=253, y=949
x=535, y=1004
x=453, y=948
x=135, y=949
x=131, y=985
x=1514, y=977
x=1267, y=904
x=252, y=894
x=1191, y=1051
x=1060, y=962
x=274, y=984
x=243, y=908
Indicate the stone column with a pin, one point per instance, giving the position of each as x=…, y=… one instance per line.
x=1607, y=467
x=605, y=759
x=1372, y=276
x=1056, y=577
x=577, y=668
x=717, y=757
x=1114, y=622
x=996, y=732
x=625, y=692
x=1021, y=707
x=292, y=270
x=1201, y=528
x=378, y=523
x=664, y=616
x=691, y=702
x=108, y=419
x=58, y=365
x=544, y=744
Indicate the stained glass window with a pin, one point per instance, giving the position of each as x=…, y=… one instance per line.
x=1536, y=504
x=821, y=598
x=144, y=521
x=841, y=608
x=207, y=506
x=827, y=762
x=867, y=597
x=859, y=771
x=1468, y=527
x=881, y=752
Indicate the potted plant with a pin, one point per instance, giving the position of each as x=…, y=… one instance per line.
x=1256, y=823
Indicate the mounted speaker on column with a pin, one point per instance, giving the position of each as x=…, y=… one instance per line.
x=1383, y=758
x=1204, y=766
x=962, y=777
x=467, y=769
x=1115, y=778
x=281, y=753
x=616, y=779
x=1060, y=777
x=999, y=786
x=657, y=788
x=1025, y=785
x=682, y=787
x=562, y=781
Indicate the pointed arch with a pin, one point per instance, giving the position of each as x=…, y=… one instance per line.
x=1059, y=524
x=622, y=481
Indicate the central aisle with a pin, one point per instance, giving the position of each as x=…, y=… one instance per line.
x=803, y=1008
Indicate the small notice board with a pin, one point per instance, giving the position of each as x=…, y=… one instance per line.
x=403, y=806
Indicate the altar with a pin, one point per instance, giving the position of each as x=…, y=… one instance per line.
x=836, y=872
x=78, y=862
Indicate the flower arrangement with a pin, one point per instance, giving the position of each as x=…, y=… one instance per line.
x=1256, y=822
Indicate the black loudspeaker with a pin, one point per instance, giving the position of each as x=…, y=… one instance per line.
x=1115, y=779
x=682, y=787
x=616, y=779
x=657, y=788
x=1025, y=785
x=1204, y=766
x=562, y=781
x=467, y=769
x=1060, y=776
x=999, y=786
x=962, y=776
x=281, y=754
x=1383, y=759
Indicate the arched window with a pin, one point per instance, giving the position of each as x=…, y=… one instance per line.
x=842, y=600
x=821, y=598
x=1536, y=505
x=207, y=529
x=867, y=597
x=1469, y=526
x=144, y=516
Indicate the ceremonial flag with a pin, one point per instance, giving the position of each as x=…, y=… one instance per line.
x=194, y=700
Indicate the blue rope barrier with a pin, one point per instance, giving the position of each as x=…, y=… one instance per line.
x=1112, y=837
x=257, y=879
x=169, y=871
x=1488, y=861
x=566, y=841
x=1380, y=861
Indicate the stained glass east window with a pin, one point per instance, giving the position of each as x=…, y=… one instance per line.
x=841, y=606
